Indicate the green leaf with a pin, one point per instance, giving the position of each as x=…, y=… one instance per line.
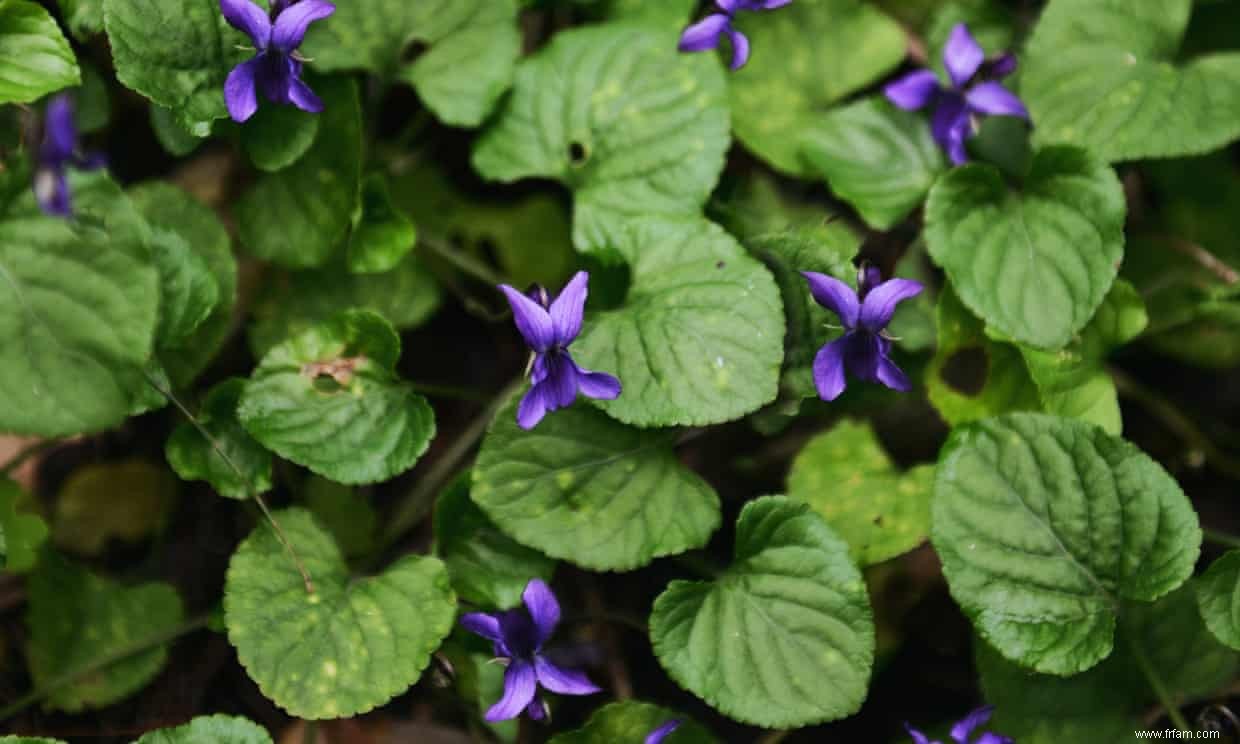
x=406, y=296
x=124, y=501
x=77, y=319
x=632, y=721
x=1034, y=263
x=828, y=249
x=806, y=57
x=590, y=490
x=210, y=730
x=879, y=159
x=1105, y=75
x=699, y=338
x=299, y=216
x=277, y=136
x=188, y=290
x=35, y=58
x=168, y=208
x=847, y=478
x=1045, y=524
x=1073, y=381
x=785, y=637
x=92, y=101
x=76, y=619
x=971, y=375
x=21, y=534
x=329, y=399
x=84, y=17
x=622, y=119
x=382, y=236
x=529, y=235
x=664, y=14
x=487, y=567
x=11, y=739
x=1107, y=702
x=193, y=458
x=183, y=66
x=1218, y=596
x=346, y=648
x=346, y=514
x=473, y=46
x=171, y=134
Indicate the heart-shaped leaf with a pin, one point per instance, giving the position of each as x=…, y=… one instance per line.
x=77, y=619
x=590, y=490
x=78, y=313
x=298, y=217
x=35, y=57
x=21, y=534
x=847, y=478
x=699, y=338
x=329, y=399
x=1218, y=596
x=349, y=646
x=125, y=501
x=1104, y=75
x=473, y=48
x=183, y=66
x=188, y=290
x=874, y=156
x=210, y=730
x=804, y=58
x=1035, y=262
x=193, y=457
x=618, y=116
x=1045, y=524
x=633, y=721
x=785, y=637
x=170, y=209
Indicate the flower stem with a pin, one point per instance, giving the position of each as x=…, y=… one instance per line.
x=461, y=260
x=1221, y=538
x=419, y=500
x=103, y=662
x=1156, y=684
x=258, y=499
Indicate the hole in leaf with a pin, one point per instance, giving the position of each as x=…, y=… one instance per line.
x=326, y=384
x=578, y=154
x=965, y=371
x=413, y=51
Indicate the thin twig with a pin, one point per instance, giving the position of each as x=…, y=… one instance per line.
x=1177, y=422
x=102, y=663
x=1206, y=260
x=461, y=260
x=258, y=499
x=416, y=503
x=774, y=737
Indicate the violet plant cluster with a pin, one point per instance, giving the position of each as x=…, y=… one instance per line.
x=987, y=296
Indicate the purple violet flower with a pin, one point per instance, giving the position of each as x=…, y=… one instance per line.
x=518, y=636
x=549, y=325
x=863, y=349
x=276, y=67
x=957, y=107
x=963, y=730
x=705, y=34
x=59, y=151
x=658, y=735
